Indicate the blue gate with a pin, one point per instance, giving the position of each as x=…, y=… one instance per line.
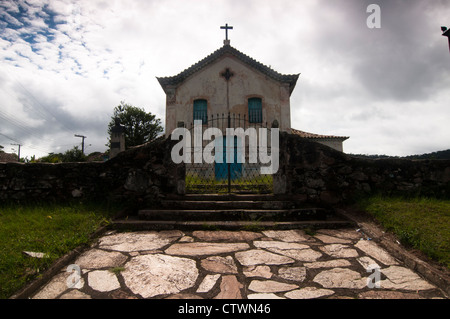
x=229, y=165
x=228, y=175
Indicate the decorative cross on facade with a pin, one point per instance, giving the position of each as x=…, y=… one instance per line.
x=226, y=27
x=227, y=74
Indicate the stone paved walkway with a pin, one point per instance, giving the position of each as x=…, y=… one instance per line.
x=236, y=265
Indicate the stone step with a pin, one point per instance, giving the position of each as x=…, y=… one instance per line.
x=226, y=204
x=135, y=224
x=241, y=214
x=226, y=197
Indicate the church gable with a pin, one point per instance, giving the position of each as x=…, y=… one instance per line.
x=227, y=50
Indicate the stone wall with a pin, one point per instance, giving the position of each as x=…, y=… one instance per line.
x=136, y=177
x=140, y=177
x=42, y=181
x=314, y=172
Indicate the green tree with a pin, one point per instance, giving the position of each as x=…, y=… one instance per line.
x=139, y=126
x=51, y=158
x=72, y=155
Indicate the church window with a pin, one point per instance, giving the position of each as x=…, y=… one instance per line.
x=255, y=110
x=200, y=111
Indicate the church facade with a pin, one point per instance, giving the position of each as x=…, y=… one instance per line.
x=230, y=82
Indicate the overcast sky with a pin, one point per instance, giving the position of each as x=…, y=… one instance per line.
x=66, y=64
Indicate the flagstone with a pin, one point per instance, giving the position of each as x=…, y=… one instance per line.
x=97, y=258
x=292, y=273
x=264, y=296
x=328, y=264
x=208, y=283
x=157, y=274
x=332, y=240
x=366, y=262
x=267, y=286
x=230, y=288
x=298, y=254
x=308, y=293
x=121, y=294
x=223, y=235
x=259, y=256
x=403, y=278
x=184, y=296
x=57, y=286
x=103, y=280
x=340, y=278
x=279, y=245
x=350, y=234
x=186, y=239
x=288, y=235
x=139, y=241
x=223, y=265
x=373, y=250
x=75, y=294
x=199, y=249
x=339, y=251
x=273, y=265
x=258, y=271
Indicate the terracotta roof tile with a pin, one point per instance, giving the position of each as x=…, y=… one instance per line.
x=317, y=136
x=6, y=157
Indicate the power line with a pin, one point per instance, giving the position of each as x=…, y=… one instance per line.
x=29, y=107
x=28, y=130
x=16, y=123
x=10, y=138
x=42, y=106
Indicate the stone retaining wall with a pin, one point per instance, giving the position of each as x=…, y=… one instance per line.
x=137, y=176
x=314, y=172
x=141, y=176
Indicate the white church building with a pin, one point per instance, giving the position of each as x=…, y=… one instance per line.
x=230, y=82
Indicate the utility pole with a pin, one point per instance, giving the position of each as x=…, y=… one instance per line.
x=82, y=141
x=18, y=153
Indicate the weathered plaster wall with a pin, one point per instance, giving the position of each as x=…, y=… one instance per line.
x=244, y=84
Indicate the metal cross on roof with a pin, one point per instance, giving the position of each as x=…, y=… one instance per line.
x=446, y=34
x=226, y=27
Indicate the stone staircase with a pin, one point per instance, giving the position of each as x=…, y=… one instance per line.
x=232, y=212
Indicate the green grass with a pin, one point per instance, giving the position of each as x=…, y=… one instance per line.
x=420, y=223
x=200, y=184
x=51, y=229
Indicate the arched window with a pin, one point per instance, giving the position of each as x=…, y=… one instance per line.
x=201, y=110
x=255, y=110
